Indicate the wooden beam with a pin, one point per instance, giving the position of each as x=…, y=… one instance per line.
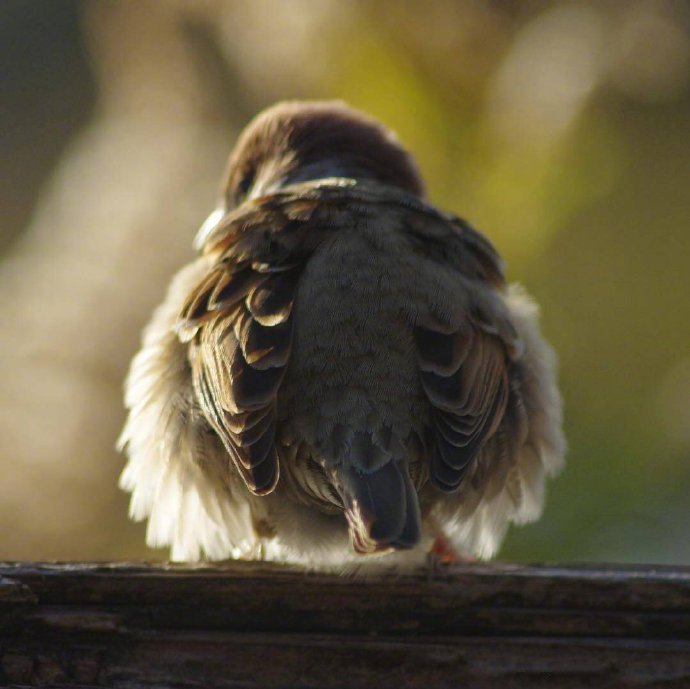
x=255, y=625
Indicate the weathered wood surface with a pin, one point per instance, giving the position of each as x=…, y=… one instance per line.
x=254, y=625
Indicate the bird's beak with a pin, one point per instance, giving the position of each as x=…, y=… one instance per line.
x=208, y=227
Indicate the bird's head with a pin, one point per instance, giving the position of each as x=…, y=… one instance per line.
x=297, y=141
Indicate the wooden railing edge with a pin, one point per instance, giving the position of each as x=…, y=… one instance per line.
x=247, y=624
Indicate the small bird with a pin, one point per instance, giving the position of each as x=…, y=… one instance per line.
x=343, y=371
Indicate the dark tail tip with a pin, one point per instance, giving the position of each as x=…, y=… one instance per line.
x=381, y=508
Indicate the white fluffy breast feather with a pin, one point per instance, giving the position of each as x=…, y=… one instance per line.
x=167, y=442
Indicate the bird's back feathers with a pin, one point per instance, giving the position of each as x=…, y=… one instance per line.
x=368, y=336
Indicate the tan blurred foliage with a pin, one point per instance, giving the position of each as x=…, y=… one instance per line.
x=561, y=129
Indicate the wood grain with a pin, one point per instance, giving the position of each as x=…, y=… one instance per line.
x=257, y=625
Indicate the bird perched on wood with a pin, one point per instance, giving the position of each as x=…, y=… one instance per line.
x=343, y=370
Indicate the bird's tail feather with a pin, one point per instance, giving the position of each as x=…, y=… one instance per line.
x=381, y=507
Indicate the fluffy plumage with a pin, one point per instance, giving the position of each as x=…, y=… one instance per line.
x=343, y=371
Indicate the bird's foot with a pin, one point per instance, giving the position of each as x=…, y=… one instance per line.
x=442, y=554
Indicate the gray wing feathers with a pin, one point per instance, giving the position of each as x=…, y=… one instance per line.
x=496, y=423
x=464, y=341
x=507, y=481
x=238, y=322
x=464, y=376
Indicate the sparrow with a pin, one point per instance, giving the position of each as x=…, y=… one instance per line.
x=343, y=374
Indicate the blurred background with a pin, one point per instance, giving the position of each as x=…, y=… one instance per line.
x=561, y=129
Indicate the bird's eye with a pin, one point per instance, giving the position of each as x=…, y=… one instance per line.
x=246, y=183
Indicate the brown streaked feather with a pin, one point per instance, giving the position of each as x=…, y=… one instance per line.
x=272, y=304
x=244, y=422
x=232, y=286
x=252, y=388
x=256, y=450
x=240, y=321
x=499, y=452
x=458, y=447
x=464, y=376
x=250, y=432
x=196, y=308
x=463, y=424
x=264, y=477
x=442, y=353
x=266, y=347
